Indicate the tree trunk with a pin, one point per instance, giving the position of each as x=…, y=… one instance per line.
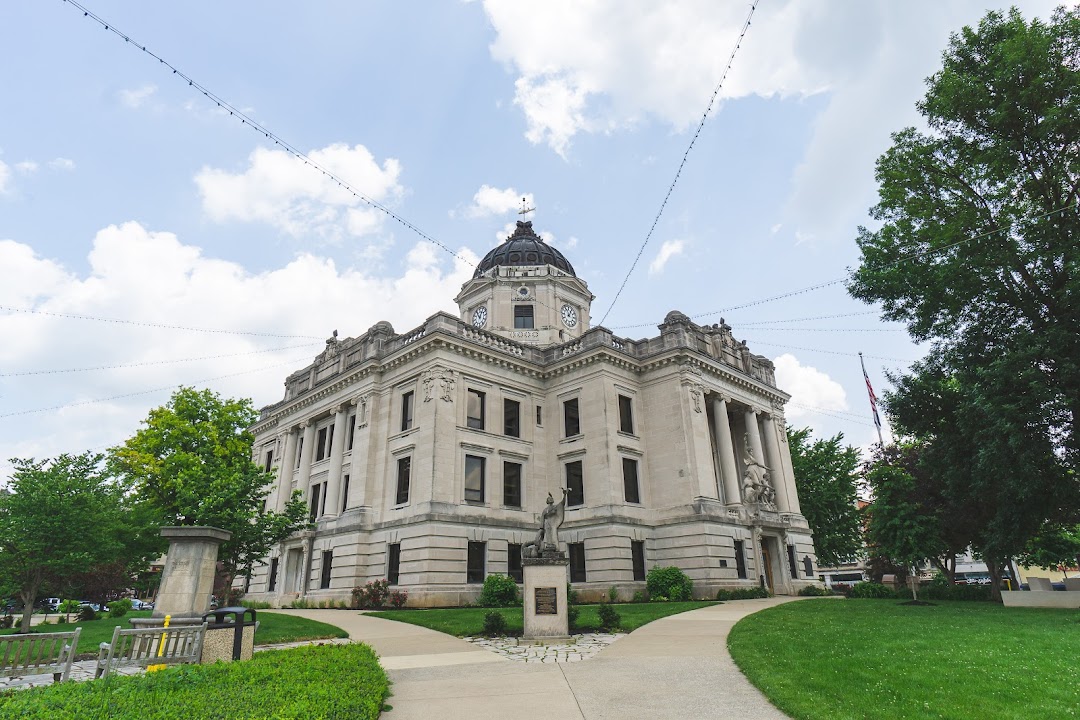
x=995, y=578
x=914, y=583
x=28, y=596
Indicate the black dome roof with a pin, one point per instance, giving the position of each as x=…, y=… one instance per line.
x=524, y=248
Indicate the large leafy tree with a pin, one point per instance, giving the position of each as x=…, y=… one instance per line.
x=60, y=518
x=192, y=462
x=979, y=244
x=826, y=476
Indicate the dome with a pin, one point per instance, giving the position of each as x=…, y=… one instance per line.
x=523, y=248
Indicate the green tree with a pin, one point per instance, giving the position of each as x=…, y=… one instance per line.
x=826, y=476
x=979, y=243
x=192, y=462
x=59, y=518
x=1053, y=547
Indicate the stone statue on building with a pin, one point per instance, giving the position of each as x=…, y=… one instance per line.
x=757, y=488
x=547, y=537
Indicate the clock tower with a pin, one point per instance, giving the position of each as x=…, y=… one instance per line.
x=525, y=290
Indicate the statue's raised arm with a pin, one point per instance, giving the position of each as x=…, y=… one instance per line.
x=551, y=519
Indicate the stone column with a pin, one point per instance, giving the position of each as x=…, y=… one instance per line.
x=304, y=479
x=337, y=451
x=285, y=471
x=726, y=449
x=776, y=466
x=753, y=433
x=358, y=478
x=187, y=581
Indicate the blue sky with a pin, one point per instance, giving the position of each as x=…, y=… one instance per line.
x=126, y=194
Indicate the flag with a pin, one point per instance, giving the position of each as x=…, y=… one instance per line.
x=873, y=397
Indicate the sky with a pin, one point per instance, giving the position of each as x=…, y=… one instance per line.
x=150, y=239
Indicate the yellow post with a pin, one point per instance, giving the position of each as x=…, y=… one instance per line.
x=161, y=648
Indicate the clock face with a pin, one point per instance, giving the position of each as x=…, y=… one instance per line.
x=523, y=291
x=569, y=316
x=479, y=316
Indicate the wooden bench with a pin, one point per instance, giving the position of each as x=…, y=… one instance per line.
x=38, y=654
x=140, y=647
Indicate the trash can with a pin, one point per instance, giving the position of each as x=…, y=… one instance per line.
x=230, y=634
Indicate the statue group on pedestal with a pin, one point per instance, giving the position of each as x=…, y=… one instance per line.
x=757, y=488
x=547, y=537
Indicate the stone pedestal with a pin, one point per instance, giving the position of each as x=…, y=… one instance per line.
x=187, y=581
x=545, y=596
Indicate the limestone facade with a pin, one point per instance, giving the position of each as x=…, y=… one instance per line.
x=426, y=456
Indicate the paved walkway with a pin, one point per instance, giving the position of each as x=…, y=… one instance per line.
x=677, y=667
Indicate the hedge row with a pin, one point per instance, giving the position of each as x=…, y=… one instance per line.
x=310, y=683
x=933, y=592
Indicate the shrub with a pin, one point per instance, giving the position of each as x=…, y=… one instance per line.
x=233, y=596
x=309, y=683
x=255, y=604
x=956, y=592
x=871, y=591
x=60, y=620
x=572, y=612
x=571, y=595
x=669, y=583
x=87, y=613
x=68, y=606
x=300, y=604
x=747, y=593
x=613, y=594
x=814, y=591
x=609, y=617
x=7, y=621
x=499, y=591
x=398, y=598
x=370, y=596
x=640, y=596
x=494, y=623
x=119, y=608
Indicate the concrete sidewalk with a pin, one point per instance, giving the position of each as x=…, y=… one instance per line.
x=677, y=667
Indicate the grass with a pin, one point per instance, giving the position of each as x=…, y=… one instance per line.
x=273, y=628
x=846, y=659
x=464, y=622
x=305, y=683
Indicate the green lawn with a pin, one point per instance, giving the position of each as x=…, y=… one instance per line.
x=468, y=621
x=845, y=659
x=273, y=628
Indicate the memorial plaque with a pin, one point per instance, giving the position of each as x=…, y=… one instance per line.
x=547, y=602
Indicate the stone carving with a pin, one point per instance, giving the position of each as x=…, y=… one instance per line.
x=697, y=391
x=757, y=488
x=546, y=542
x=439, y=382
x=333, y=345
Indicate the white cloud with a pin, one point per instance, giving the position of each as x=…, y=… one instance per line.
x=808, y=387
x=668, y=250
x=490, y=201
x=5, y=178
x=280, y=190
x=27, y=167
x=136, y=98
x=152, y=277
x=62, y=163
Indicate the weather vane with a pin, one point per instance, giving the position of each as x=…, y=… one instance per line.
x=525, y=209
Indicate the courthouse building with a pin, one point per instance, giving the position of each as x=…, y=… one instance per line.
x=426, y=456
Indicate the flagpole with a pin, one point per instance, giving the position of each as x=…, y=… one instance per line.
x=873, y=400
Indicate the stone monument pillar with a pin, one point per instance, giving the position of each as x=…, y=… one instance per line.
x=546, y=571
x=188, y=578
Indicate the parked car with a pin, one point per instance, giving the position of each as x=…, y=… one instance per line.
x=137, y=604
x=92, y=605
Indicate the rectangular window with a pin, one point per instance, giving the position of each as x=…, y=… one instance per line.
x=626, y=415
x=513, y=563
x=539, y=415
x=474, y=478
x=404, y=467
x=791, y=562
x=322, y=503
x=637, y=554
x=322, y=445
x=475, y=572
x=740, y=559
x=345, y=493
x=314, y=513
x=511, y=418
x=475, y=410
x=272, y=582
x=299, y=451
x=571, y=420
x=393, y=562
x=406, y=410
x=523, y=317
x=512, y=484
x=575, y=484
x=630, y=481
x=327, y=565
x=269, y=463
x=577, y=562
x=352, y=431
